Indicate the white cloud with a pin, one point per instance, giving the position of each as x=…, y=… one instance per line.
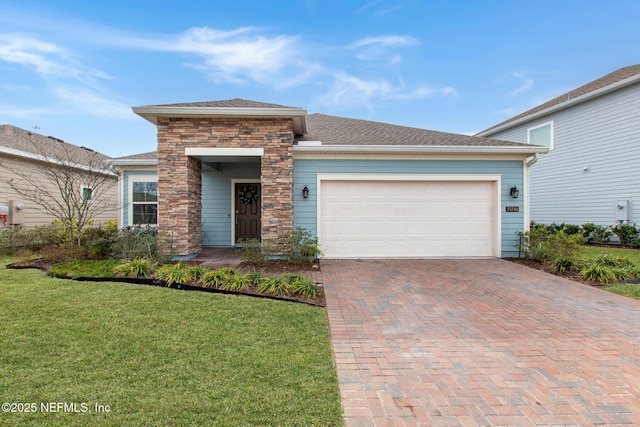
x=377, y=11
x=348, y=91
x=23, y=113
x=67, y=79
x=526, y=84
x=368, y=5
x=93, y=103
x=227, y=56
x=44, y=58
x=382, y=48
x=390, y=41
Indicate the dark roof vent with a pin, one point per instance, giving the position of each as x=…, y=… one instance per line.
x=54, y=139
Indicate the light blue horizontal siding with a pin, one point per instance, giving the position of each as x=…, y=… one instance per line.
x=127, y=175
x=216, y=200
x=306, y=171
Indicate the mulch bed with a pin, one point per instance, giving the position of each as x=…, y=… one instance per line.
x=271, y=269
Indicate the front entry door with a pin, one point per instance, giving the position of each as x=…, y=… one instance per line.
x=247, y=211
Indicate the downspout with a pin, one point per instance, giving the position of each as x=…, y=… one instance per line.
x=527, y=187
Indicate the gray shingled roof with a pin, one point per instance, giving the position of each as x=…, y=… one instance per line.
x=227, y=103
x=609, y=79
x=151, y=155
x=332, y=130
x=31, y=142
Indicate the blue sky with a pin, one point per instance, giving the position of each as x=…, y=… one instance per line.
x=74, y=69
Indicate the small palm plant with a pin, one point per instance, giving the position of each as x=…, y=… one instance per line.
x=137, y=268
x=174, y=274
x=300, y=285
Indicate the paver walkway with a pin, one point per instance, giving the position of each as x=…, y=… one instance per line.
x=479, y=342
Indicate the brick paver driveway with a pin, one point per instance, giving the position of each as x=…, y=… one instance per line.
x=479, y=342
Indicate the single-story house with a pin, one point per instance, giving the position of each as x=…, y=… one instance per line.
x=591, y=173
x=26, y=156
x=238, y=169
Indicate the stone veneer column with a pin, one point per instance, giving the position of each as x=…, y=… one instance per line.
x=180, y=181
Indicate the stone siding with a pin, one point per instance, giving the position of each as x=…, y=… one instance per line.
x=180, y=181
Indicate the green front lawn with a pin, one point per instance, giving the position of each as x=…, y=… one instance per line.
x=158, y=356
x=594, y=252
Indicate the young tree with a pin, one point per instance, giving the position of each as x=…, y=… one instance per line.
x=71, y=184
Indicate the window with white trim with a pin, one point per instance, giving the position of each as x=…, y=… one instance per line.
x=87, y=194
x=541, y=135
x=143, y=199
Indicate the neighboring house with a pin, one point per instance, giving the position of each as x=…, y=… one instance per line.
x=592, y=171
x=22, y=150
x=238, y=169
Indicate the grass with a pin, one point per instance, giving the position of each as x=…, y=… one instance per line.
x=84, y=268
x=626, y=289
x=159, y=356
x=594, y=252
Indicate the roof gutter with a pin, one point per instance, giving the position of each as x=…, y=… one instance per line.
x=45, y=159
x=135, y=162
x=422, y=149
x=566, y=104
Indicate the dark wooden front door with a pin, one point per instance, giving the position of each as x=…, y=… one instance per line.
x=247, y=211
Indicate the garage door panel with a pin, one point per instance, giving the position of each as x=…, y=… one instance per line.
x=407, y=218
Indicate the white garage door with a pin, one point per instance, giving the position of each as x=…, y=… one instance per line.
x=407, y=219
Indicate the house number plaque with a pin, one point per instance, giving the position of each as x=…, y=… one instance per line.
x=513, y=209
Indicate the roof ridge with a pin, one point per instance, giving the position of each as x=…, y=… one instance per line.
x=336, y=130
x=599, y=83
x=224, y=103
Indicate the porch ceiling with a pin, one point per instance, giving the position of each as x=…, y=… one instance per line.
x=213, y=155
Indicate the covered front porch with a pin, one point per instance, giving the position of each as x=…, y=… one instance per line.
x=231, y=196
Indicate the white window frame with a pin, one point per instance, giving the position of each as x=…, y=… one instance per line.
x=130, y=202
x=86, y=187
x=551, y=130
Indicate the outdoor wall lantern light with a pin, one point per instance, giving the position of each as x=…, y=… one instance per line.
x=514, y=192
x=305, y=192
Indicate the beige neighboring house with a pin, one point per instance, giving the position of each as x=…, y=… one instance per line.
x=22, y=150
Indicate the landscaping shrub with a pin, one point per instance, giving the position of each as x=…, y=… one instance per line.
x=571, y=229
x=600, y=273
x=554, y=228
x=274, y=286
x=587, y=229
x=304, y=246
x=606, y=269
x=252, y=250
x=300, y=285
x=540, y=245
x=298, y=246
x=237, y=282
x=37, y=237
x=627, y=233
x=174, y=274
x=601, y=235
x=99, y=240
x=563, y=264
x=137, y=268
x=142, y=242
